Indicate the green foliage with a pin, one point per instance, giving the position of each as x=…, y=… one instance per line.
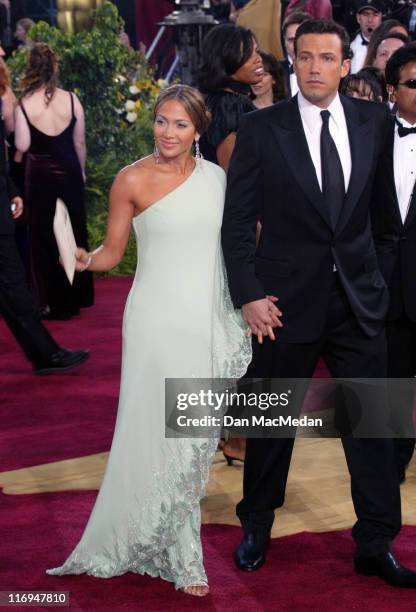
x=101, y=70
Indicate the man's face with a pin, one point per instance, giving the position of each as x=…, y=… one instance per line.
x=404, y=96
x=289, y=39
x=385, y=50
x=319, y=67
x=368, y=20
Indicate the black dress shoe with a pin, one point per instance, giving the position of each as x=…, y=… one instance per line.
x=251, y=554
x=386, y=567
x=60, y=361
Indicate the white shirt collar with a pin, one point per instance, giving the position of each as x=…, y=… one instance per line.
x=311, y=114
x=290, y=60
x=404, y=123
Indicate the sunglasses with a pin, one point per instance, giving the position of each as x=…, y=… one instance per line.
x=411, y=83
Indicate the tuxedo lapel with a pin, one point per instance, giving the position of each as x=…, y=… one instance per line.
x=361, y=137
x=412, y=209
x=388, y=171
x=290, y=136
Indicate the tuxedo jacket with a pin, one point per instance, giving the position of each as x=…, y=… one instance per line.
x=8, y=190
x=272, y=179
x=395, y=241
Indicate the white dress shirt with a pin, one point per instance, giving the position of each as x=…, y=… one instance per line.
x=404, y=167
x=294, y=88
x=359, y=53
x=312, y=125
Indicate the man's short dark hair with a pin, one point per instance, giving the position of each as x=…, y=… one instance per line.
x=324, y=26
x=402, y=56
x=296, y=17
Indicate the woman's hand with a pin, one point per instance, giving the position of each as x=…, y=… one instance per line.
x=83, y=259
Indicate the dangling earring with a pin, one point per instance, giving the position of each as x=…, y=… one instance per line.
x=156, y=154
x=198, y=155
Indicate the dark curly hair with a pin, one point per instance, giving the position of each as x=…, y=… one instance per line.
x=400, y=58
x=225, y=49
x=41, y=71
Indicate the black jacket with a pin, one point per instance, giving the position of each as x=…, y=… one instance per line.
x=8, y=189
x=395, y=241
x=272, y=179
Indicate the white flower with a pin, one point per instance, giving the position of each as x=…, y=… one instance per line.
x=131, y=117
x=119, y=111
x=130, y=105
x=134, y=90
x=121, y=78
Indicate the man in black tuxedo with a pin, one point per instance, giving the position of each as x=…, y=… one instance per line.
x=305, y=167
x=394, y=228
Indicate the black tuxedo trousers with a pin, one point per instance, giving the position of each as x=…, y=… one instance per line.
x=17, y=306
x=347, y=353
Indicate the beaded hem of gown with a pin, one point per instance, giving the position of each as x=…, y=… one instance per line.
x=179, y=322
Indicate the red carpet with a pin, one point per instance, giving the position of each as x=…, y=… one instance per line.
x=304, y=572
x=55, y=417
x=46, y=419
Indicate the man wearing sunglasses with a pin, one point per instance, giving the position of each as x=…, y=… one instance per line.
x=394, y=227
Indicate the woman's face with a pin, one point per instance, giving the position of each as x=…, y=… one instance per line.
x=385, y=50
x=20, y=33
x=252, y=71
x=264, y=86
x=173, y=130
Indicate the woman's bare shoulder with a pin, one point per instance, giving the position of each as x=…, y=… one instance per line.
x=136, y=173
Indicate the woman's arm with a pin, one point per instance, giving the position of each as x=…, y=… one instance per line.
x=21, y=131
x=225, y=150
x=9, y=103
x=79, y=134
x=121, y=211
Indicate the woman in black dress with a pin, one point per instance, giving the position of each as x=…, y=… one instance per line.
x=231, y=63
x=50, y=127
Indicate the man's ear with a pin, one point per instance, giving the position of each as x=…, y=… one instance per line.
x=392, y=93
x=346, y=67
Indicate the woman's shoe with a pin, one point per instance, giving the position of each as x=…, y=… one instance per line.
x=230, y=459
x=234, y=450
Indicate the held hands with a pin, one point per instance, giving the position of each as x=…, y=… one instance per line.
x=262, y=316
x=83, y=259
x=17, y=207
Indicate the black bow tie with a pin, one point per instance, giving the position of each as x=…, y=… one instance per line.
x=404, y=131
x=364, y=41
x=291, y=70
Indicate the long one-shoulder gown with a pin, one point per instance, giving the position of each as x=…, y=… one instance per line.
x=178, y=322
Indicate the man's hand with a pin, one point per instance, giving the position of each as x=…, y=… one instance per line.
x=261, y=316
x=17, y=209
